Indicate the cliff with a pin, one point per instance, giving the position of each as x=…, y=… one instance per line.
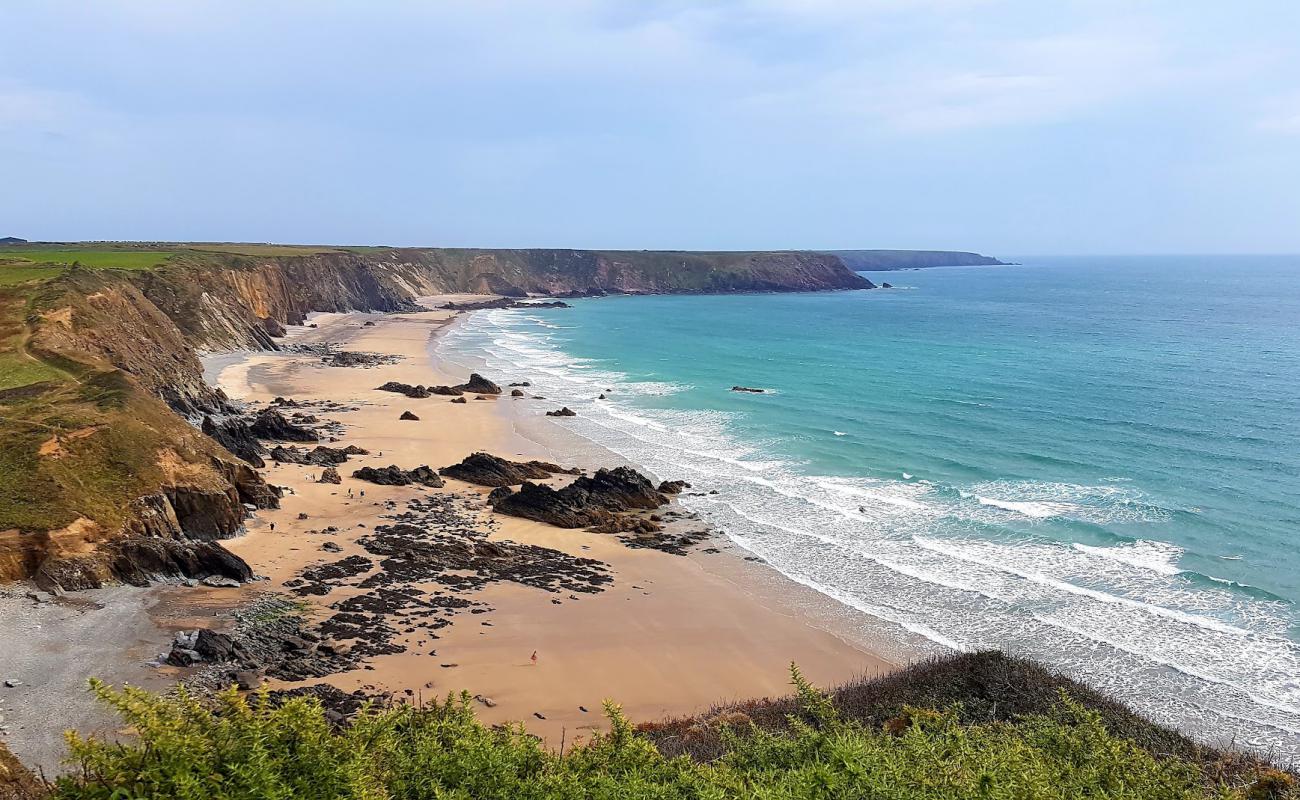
x=103, y=475
x=885, y=260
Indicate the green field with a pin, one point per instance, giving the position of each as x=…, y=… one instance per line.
x=87, y=257
x=20, y=272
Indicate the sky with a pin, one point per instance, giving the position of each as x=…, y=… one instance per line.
x=1002, y=126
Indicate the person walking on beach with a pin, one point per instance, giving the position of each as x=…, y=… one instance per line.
x=534, y=658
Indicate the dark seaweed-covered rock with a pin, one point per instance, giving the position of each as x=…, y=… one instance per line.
x=271, y=424
x=562, y=412
x=486, y=469
x=407, y=415
x=673, y=487
x=235, y=435
x=747, y=389
x=392, y=475
x=406, y=389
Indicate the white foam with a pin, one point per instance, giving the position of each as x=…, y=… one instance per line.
x=1160, y=557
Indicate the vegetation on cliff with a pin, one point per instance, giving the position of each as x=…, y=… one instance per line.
x=252, y=748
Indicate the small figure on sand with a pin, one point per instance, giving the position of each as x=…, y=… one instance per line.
x=534, y=657
x=273, y=527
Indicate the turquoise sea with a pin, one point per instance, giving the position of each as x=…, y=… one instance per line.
x=1093, y=461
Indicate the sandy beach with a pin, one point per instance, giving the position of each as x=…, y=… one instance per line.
x=670, y=635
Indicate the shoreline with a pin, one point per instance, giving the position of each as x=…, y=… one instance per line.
x=672, y=635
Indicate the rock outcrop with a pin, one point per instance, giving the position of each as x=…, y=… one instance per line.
x=271, y=424
x=393, y=475
x=477, y=384
x=408, y=416
x=588, y=501
x=562, y=412
x=321, y=455
x=485, y=469
x=234, y=434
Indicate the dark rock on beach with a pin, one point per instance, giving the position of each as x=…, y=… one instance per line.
x=330, y=475
x=392, y=475
x=407, y=415
x=516, y=392
x=486, y=469
x=477, y=384
x=588, y=501
x=416, y=392
x=321, y=455
x=458, y=400
x=673, y=487
x=271, y=424
x=562, y=412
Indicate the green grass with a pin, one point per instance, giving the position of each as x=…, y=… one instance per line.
x=15, y=273
x=259, y=249
x=92, y=258
x=251, y=748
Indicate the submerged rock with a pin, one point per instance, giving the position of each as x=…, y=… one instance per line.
x=673, y=487
x=749, y=389
x=562, y=412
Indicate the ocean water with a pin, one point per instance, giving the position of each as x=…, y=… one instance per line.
x=1092, y=461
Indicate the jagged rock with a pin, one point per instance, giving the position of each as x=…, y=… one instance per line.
x=321, y=455
x=486, y=469
x=446, y=391
x=458, y=400
x=246, y=680
x=673, y=487
x=477, y=384
x=585, y=502
x=330, y=475
x=516, y=392
x=601, y=397
x=886, y=286
x=235, y=435
x=522, y=383
x=407, y=415
x=497, y=494
x=332, y=547
x=747, y=389
x=271, y=424
x=562, y=412
x=406, y=389
x=392, y=475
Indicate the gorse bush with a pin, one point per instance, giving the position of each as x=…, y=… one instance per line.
x=250, y=748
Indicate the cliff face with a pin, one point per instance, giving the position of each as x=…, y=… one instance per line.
x=225, y=301
x=883, y=260
x=103, y=479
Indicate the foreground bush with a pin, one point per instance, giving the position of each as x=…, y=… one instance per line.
x=242, y=748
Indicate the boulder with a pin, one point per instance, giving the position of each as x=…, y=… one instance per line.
x=321, y=455
x=522, y=383
x=458, y=400
x=562, y=412
x=497, y=494
x=516, y=392
x=407, y=415
x=477, y=384
x=673, y=487
x=330, y=475
x=274, y=327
